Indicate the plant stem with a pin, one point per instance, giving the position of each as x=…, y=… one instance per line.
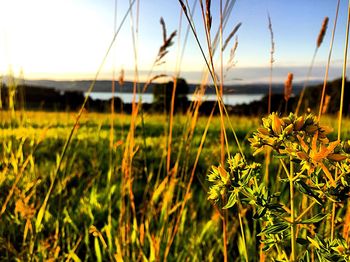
x=224, y=232
x=292, y=212
x=301, y=96
x=305, y=211
x=242, y=232
x=222, y=137
x=341, y=108
x=328, y=62
x=188, y=188
x=272, y=51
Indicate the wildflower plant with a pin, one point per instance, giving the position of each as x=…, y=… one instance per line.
x=231, y=182
x=317, y=172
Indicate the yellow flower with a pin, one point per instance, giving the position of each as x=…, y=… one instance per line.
x=277, y=124
x=317, y=155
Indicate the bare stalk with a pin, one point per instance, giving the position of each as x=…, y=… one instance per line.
x=306, y=82
x=243, y=235
x=328, y=62
x=70, y=136
x=188, y=188
x=318, y=44
x=340, y=116
x=272, y=60
x=292, y=213
x=222, y=137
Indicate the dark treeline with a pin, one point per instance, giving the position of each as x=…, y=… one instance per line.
x=42, y=98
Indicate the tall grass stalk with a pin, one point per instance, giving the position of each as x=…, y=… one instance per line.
x=325, y=79
x=301, y=96
x=188, y=188
x=171, y=118
x=272, y=60
x=223, y=137
x=293, y=235
x=318, y=44
x=222, y=130
x=172, y=105
x=111, y=142
x=206, y=17
x=128, y=208
x=222, y=127
x=340, y=116
x=268, y=151
x=42, y=209
x=243, y=234
x=207, y=25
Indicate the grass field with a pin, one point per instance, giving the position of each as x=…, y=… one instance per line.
x=30, y=148
x=92, y=212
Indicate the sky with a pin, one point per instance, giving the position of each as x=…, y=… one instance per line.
x=68, y=39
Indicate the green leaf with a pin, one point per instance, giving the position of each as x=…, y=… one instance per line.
x=305, y=189
x=260, y=213
x=275, y=207
x=266, y=247
x=314, y=242
x=306, y=256
x=97, y=250
x=74, y=257
x=231, y=201
x=276, y=228
x=314, y=219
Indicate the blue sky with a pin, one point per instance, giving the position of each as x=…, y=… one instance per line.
x=67, y=39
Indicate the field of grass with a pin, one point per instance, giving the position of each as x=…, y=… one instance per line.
x=87, y=191
x=94, y=212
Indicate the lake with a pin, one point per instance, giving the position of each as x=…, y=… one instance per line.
x=229, y=99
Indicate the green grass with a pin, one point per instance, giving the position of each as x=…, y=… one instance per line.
x=83, y=197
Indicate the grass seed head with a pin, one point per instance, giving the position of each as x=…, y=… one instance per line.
x=322, y=32
x=208, y=17
x=233, y=32
x=288, y=86
x=121, y=78
x=167, y=42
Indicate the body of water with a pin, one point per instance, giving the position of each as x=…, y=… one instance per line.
x=229, y=99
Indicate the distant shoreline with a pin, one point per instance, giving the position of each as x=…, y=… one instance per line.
x=104, y=86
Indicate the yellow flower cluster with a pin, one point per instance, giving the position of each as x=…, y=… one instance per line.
x=238, y=176
x=301, y=138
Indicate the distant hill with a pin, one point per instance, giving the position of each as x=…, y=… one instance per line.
x=105, y=86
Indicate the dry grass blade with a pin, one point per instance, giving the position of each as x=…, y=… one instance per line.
x=322, y=32
x=233, y=32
